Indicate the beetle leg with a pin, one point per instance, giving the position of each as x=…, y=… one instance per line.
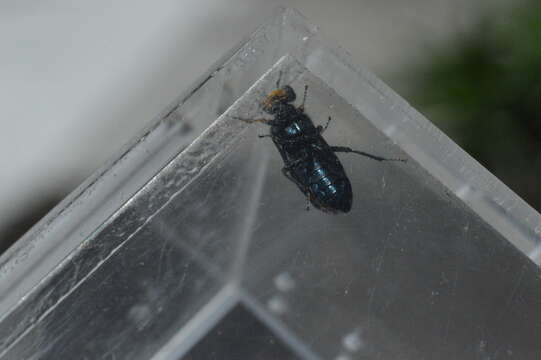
x=321, y=129
x=279, y=78
x=286, y=171
x=301, y=108
x=264, y=136
x=290, y=164
x=251, y=121
x=346, y=149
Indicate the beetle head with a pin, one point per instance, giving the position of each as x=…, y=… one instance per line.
x=278, y=97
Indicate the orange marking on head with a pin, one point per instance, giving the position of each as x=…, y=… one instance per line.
x=273, y=96
x=277, y=93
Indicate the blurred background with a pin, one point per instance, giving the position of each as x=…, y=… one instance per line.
x=80, y=79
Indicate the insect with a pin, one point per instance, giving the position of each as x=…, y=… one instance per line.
x=309, y=162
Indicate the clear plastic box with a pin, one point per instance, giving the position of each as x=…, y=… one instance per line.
x=191, y=244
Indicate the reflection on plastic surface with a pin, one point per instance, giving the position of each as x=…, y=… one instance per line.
x=218, y=241
x=240, y=335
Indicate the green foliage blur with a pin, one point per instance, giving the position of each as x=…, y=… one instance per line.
x=484, y=90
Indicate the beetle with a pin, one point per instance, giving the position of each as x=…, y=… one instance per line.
x=309, y=161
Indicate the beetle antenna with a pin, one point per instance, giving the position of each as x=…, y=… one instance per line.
x=279, y=79
x=304, y=97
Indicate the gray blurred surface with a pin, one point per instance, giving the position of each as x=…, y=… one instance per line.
x=79, y=80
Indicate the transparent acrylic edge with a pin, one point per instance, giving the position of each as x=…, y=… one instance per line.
x=18, y=260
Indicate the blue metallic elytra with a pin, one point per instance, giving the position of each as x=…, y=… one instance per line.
x=309, y=161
